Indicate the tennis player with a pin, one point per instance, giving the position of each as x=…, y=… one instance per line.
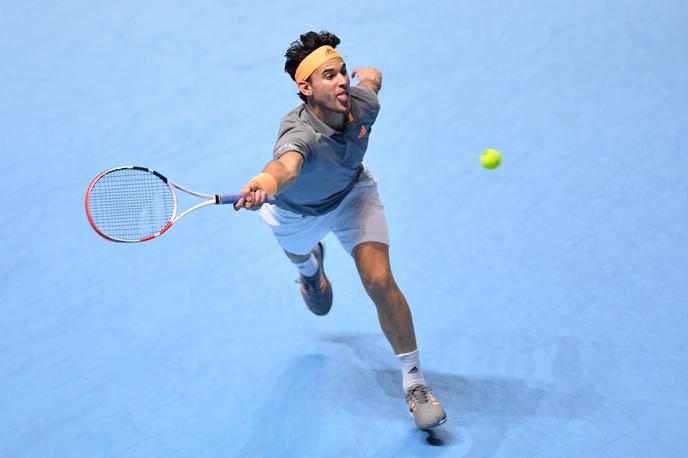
x=320, y=184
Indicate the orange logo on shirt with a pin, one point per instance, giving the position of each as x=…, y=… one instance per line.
x=362, y=133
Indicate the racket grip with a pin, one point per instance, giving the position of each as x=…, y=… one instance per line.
x=228, y=198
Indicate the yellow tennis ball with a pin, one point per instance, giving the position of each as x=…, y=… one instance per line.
x=491, y=158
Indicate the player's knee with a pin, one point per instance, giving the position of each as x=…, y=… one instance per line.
x=378, y=283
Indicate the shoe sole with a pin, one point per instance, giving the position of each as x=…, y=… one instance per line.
x=423, y=428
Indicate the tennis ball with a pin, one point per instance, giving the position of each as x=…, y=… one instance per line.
x=491, y=158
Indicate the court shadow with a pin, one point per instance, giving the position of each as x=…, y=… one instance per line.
x=482, y=409
x=474, y=397
x=440, y=436
x=568, y=396
x=487, y=407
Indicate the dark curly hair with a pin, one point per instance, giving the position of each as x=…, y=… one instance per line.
x=308, y=42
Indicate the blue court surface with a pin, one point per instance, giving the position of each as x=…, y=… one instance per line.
x=547, y=294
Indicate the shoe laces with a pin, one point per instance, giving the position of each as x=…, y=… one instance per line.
x=420, y=394
x=310, y=284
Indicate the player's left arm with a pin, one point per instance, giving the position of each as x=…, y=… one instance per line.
x=369, y=77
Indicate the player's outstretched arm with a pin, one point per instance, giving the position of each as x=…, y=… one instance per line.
x=369, y=77
x=276, y=176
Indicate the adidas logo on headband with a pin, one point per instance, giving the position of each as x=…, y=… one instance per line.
x=313, y=61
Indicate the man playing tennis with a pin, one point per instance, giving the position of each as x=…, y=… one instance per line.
x=320, y=184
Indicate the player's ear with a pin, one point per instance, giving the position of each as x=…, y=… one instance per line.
x=305, y=88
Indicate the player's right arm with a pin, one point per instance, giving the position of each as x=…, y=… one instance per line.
x=283, y=171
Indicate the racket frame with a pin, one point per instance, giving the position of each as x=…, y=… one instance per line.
x=210, y=199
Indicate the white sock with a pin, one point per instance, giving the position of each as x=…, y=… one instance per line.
x=309, y=267
x=410, y=369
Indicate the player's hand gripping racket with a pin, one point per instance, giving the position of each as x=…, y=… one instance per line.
x=136, y=204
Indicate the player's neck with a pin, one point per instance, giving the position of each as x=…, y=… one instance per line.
x=335, y=120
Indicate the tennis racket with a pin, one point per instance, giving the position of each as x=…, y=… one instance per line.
x=136, y=204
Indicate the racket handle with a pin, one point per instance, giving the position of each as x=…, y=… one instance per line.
x=232, y=199
x=227, y=198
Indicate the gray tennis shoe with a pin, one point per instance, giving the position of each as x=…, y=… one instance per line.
x=317, y=290
x=426, y=410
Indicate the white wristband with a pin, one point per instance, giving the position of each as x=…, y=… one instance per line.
x=369, y=78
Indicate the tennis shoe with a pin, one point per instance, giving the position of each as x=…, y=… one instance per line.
x=317, y=290
x=426, y=410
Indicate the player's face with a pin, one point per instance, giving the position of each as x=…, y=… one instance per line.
x=330, y=85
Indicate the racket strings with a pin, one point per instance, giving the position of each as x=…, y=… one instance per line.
x=131, y=204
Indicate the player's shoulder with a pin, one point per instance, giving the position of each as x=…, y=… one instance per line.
x=295, y=134
x=366, y=96
x=294, y=115
x=296, y=119
x=358, y=90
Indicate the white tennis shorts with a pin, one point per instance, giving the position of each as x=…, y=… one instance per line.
x=359, y=218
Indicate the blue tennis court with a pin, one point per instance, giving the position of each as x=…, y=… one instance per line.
x=546, y=294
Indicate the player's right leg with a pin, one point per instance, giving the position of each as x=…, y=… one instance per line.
x=300, y=237
x=316, y=289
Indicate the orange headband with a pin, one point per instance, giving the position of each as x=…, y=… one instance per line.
x=313, y=61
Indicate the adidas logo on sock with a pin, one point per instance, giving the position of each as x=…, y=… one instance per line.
x=413, y=370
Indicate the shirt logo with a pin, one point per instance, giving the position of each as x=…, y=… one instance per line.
x=362, y=133
x=288, y=146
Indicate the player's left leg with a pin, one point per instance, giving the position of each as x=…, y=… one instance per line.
x=361, y=227
x=372, y=261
